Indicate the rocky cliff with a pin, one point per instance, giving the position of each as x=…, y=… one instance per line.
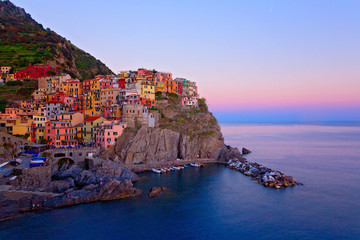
x=187, y=134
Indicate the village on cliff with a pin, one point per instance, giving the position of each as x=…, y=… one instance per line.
x=67, y=112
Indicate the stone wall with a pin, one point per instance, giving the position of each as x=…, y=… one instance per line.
x=33, y=179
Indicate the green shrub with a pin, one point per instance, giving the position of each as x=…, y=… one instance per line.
x=14, y=83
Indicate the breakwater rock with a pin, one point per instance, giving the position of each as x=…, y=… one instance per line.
x=263, y=175
x=154, y=191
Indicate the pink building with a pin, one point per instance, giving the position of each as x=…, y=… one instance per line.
x=190, y=102
x=69, y=101
x=60, y=133
x=107, y=135
x=161, y=77
x=141, y=71
x=11, y=112
x=106, y=83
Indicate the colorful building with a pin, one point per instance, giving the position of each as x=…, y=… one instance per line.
x=90, y=126
x=91, y=85
x=107, y=135
x=190, y=102
x=35, y=71
x=108, y=96
x=111, y=112
x=105, y=83
x=60, y=133
x=147, y=90
x=72, y=88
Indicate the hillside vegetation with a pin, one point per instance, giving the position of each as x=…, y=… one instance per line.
x=23, y=41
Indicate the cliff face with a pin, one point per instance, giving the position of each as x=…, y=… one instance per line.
x=181, y=133
x=23, y=41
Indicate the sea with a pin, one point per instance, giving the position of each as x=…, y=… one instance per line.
x=215, y=202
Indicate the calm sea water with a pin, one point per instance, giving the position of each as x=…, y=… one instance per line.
x=218, y=203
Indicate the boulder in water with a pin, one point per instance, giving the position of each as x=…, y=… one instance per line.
x=245, y=151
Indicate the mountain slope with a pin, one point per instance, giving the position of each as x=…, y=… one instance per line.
x=23, y=41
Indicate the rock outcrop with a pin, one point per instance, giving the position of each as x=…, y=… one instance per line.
x=181, y=133
x=154, y=191
x=245, y=151
x=261, y=174
x=64, y=184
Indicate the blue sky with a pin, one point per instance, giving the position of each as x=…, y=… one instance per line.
x=253, y=60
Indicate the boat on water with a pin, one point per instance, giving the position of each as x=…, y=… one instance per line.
x=172, y=169
x=163, y=170
x=182, y=167
x=186, y=166
x=194, y=164
x=156, y=170
x=177, y=168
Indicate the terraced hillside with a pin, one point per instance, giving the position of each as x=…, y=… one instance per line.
x=23, y=41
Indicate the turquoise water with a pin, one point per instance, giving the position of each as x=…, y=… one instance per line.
x=215, y=202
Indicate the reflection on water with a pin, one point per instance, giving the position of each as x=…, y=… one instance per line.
x=218, y=203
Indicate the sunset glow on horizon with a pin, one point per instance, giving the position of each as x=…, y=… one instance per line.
x=252, y=60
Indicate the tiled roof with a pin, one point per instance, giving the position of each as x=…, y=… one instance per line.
x=91, y=119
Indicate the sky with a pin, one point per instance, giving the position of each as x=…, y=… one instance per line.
x=263, y=60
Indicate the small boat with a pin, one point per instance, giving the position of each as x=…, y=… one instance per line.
x=177, y=168
x=182, y=167
x=156, y=170
x=172, y=169
x=186, y=166
x=163, y=170
x=194, y=164
x=12, y=178
x=4, y=164
x=36, y=164
x=36, y=161
x=39, y=158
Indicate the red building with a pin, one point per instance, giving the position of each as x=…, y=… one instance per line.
x=35, y=71
x=148, y=103
x=78, y=104
x=121, y=83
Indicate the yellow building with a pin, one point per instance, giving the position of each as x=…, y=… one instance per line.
x=89, y=127
x=39, y=120
x=79, y=133
x=9, y=77
x=22, y=128
x=147, y=90
x=40, y=134
x=72, y=88
x=92, y=103
x=94, y=84
x=123, y=74
x=9, y=123
x=160, y=87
